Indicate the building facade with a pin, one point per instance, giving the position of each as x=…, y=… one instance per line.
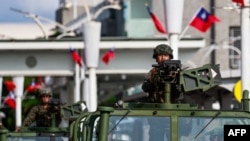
x=131, y=32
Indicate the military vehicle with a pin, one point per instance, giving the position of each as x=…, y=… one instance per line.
x=146, y=121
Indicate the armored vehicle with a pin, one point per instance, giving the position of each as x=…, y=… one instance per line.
x=146, y=121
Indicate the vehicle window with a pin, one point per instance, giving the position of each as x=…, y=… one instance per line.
x=37, y=139
x=205, y=129
x=139, y=128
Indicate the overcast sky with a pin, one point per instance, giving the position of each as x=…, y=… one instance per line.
x=44, y=8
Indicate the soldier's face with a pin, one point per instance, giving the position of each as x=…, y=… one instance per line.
x=162, y=57
x=45, y=98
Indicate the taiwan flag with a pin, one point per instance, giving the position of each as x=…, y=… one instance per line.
x=76, y=57
x=240, y=2
x=10, y=85
x=156, y=21
x=10, y=100
x=108, y=55
x=203, y=20
x=33, y=87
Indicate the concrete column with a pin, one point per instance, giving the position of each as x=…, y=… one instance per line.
x=245, y=43
x=19, y=81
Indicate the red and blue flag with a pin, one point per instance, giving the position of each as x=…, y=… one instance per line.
x=240, y=2
x=110, y=54
x=33, y=87
x=10, y=100
x=203, y=20
x=10, y=85
x=76, y=57
x=156, y=21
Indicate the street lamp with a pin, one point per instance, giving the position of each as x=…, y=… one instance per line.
x=117, y=7
x=38, y=19
x=173, y=16
x=91, y=36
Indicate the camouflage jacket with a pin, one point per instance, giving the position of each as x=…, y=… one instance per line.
x=42, y=117
x=154, y=86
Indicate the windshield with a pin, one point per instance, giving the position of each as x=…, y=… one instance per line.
x=146, y=128
x=38, y=139
x=205, y=129
x=139, y=128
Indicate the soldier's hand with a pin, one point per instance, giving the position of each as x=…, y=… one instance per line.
x=148, y=86
x=158, y=80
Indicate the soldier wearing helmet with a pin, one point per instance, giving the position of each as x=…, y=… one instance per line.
x=155, y=89
x=163, y=49
x=41, y=114
x=151, y=83
x=43, y=92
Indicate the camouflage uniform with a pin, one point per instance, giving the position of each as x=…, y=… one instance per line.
x=153, y=87
x=153, y=84
x=42, y=116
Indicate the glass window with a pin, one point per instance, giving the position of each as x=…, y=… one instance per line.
x=139, y=128
x=205, y=129
x=235, y=36
x=42, y=138
x=138, y=9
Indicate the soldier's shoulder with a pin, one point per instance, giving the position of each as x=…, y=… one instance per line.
x=36, y=108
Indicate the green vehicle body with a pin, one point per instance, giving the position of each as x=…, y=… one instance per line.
x=142, y=121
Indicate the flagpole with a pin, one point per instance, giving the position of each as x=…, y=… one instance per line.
x=186, y=28
x=184, y=31
x=24, y=94
x=166, y=37
x=156, y=21
x=173, y=11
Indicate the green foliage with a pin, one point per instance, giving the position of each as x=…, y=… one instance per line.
x=28, y=102
x=9, y=121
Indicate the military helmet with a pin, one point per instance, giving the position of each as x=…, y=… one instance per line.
x=45, y=91
x=163, y=49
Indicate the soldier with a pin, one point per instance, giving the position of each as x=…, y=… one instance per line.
x=42, y=113
x=152, y=83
